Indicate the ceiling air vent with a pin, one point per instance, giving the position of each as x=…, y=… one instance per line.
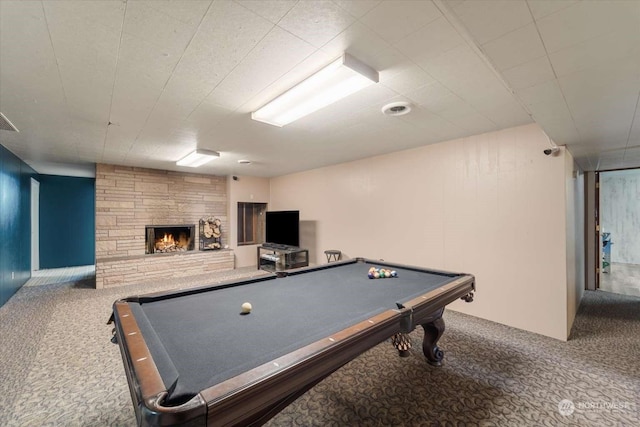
x=396, y=109
x=5, y=124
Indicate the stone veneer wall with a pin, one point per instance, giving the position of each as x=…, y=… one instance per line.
x=128, y=198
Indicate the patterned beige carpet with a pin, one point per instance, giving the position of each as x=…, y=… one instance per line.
x=58, y=368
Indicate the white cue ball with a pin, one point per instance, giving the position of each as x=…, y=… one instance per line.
x=246, y=307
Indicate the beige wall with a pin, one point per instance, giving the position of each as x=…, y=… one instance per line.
x=575, y=238
x=244, y=189
x=492, y=205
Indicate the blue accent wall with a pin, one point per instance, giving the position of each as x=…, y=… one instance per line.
x=15, y=223
x=67, y=221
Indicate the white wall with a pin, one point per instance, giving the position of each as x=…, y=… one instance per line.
x=244, y=189
x=492, y=205
x=620, y=213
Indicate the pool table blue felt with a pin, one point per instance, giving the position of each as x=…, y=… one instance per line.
x=201, y=339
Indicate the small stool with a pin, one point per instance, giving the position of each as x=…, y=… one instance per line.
x=332, y=255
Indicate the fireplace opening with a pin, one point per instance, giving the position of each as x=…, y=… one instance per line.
x=169, y=238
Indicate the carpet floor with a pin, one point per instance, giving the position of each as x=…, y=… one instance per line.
x=58, y=368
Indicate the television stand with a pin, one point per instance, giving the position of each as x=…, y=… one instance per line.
x=281, y=258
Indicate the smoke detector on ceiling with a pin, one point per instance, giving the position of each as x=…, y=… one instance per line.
x=396, y=109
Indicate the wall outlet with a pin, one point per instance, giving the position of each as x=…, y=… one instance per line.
x=13, y=275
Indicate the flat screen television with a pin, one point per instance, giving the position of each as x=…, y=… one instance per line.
x=283, y=228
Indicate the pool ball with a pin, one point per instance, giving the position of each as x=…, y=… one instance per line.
x=246, y=308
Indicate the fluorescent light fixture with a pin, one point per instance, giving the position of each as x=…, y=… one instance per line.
x=198, y=158
x=341, y=78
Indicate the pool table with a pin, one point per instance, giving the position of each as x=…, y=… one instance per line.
x=191, y=358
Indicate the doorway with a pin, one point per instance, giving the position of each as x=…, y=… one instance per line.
x=618, y=202
x=35, y=225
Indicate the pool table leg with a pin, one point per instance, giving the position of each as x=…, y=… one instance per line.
x=433, y=330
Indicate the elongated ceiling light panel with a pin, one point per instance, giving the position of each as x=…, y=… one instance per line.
x=198, y=158
x=341, y=78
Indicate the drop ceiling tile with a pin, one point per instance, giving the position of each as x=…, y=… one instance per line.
x=450, y=107
x=544, y=93
x=367, y=46
x=156, y=26
x=485, y=93
x=474, y=123
x=432, y=40
x=273, y=10
x=542, y=8
x=275, y=55
x=432, y=127
x=171, y=109
x=587, y=19
x=141, y=61
x=155, y=135
x=529, y=74
x=132, y=114
x=506, y=115
x=316, y=22
x=87, y=100
x=561, y=131
x=458, y=67
x=406, y=80
x=609, y=112
x=489, y=19
x=28, y=68
x=551, y=111
x=119, y=139
x=81, y=47
x=515, y=48
x=357, y=8
x=234, y=31
x=434, y=97
x=396, y=20
x=103, y=13
x=604, y=134
x=87, y=134
x=205, y=117
x=189, y=12
x=587, y=90
x=583, y=150
x=597, y=51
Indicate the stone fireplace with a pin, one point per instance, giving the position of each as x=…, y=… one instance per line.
x=131, y=200
x=169, y=238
